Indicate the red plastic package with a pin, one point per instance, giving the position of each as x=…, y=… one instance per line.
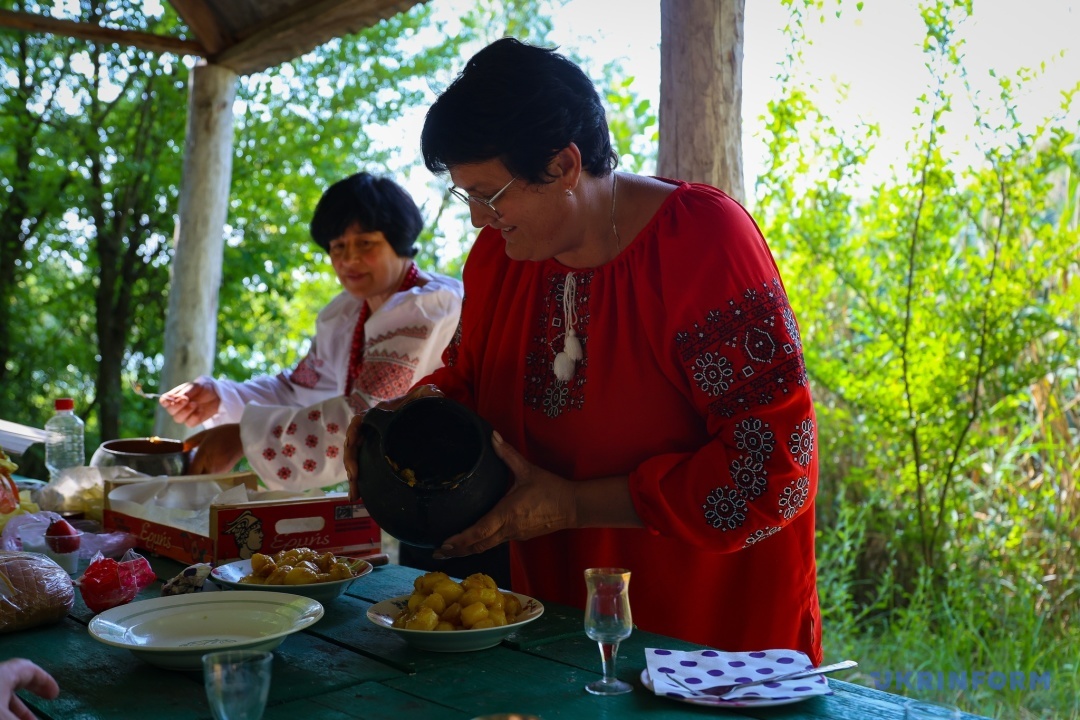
x=108, y=583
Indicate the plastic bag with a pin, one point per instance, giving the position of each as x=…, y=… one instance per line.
x=27, y=532
x=33, y=591
x=108, y=583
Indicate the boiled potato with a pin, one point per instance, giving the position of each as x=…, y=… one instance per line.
x=474, y=603
x=315, y=568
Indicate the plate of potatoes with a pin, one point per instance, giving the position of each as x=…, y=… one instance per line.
x=446, y=615
x=317, y=575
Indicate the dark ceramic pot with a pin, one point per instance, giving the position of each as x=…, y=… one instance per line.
x=151, y=456
x=427, y=470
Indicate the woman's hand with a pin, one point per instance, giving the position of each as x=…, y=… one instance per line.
x=217, y=450
x=538, y=502
x=354, y=439
x=191, y=403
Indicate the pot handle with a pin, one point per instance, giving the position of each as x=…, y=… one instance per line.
x=375, y=422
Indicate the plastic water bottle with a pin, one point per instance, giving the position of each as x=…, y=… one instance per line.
x=64, y=446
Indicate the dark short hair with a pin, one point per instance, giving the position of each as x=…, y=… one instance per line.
x=521, y=104
x=376, y=204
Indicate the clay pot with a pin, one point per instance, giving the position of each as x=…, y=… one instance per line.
x=151, y=456
x=427, y=470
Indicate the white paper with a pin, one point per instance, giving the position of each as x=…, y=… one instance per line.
x=15, y=438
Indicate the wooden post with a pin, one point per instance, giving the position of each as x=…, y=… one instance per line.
x=701, y=55
x=191, y=325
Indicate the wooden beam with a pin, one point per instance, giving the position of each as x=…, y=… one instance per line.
x=29, y=22
x=203, y=23
x=304, y=28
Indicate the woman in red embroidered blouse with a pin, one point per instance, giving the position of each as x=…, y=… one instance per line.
x=387, y=328
x=631, y=342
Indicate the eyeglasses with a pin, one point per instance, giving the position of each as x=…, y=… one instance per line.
x=489, y=204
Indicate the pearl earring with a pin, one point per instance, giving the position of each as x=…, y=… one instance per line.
x=569, y=193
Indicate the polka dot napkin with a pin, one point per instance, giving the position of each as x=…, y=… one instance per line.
x=705, y=670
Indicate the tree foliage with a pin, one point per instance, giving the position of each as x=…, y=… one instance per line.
x=940, y=314
x=90, y=176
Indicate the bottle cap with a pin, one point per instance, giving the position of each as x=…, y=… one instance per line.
x=64, y=404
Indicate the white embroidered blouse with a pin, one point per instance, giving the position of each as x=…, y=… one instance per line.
x=293, y=424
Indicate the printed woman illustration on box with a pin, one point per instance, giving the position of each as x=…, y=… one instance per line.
x=248, y=532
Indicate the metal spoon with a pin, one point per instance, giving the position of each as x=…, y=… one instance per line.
x=137, y=389
x=719, y=691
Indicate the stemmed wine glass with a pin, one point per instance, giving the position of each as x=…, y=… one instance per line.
x=608, y=622
x=237, y=683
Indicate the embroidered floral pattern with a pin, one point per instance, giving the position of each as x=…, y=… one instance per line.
x=311, y=441
x=453, y=348
x=332, y=451
x=310, y=465
x=306, y=373
x=277, y=431
x=269, y=453
x=291, y=430
x=333, y=428
x=759, y=535
x=543, y=392
x=356, y=403
x=743, y=355
x=792, y=328
x=753, y=436
x=794, y=497
x=288, y=450
x=725, y=509
x=713, y=373
x=314, y=415
x=801, y=443
x=751, y=334
x=284, y=473
x=386, y=375
x=749, y=475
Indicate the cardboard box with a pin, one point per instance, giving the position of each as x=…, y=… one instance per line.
x=236, y=531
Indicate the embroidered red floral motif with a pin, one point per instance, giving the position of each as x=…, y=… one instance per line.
x=310, y=465
x=314, y=415
x=284, y=473
x=288, y=451
x=390, y=378
x=332, y=428
x=269, y=453
x=277, y=431
x=305, y=374
x=311, y=441
x=291, y=430
x=332, y=451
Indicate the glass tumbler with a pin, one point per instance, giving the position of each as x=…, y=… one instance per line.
x=237, y=683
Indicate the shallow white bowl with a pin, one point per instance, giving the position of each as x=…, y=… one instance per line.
x=383, y=614
x=175, y=632
x=229, y=576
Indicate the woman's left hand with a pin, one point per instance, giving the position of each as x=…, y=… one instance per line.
x=538, y=502
x=217, y=450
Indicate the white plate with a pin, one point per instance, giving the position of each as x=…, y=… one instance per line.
x=710, y=701
x=229, y=575
x=175, y=632
x=383, y=614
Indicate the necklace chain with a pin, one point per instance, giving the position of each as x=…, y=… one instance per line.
x=614, y=188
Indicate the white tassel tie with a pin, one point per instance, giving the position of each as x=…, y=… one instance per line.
x=566, y=361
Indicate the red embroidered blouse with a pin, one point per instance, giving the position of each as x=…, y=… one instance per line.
x=693, y=385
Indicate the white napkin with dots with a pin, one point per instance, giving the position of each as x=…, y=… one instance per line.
x=704, y=669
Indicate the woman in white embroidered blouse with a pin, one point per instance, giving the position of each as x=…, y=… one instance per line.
x=386, y=329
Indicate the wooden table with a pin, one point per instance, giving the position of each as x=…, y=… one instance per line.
x=346, y=667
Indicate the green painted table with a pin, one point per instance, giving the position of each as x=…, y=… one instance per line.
x=346, y=667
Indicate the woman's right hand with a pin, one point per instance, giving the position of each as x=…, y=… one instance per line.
x=354, y=439
x=192, y=402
